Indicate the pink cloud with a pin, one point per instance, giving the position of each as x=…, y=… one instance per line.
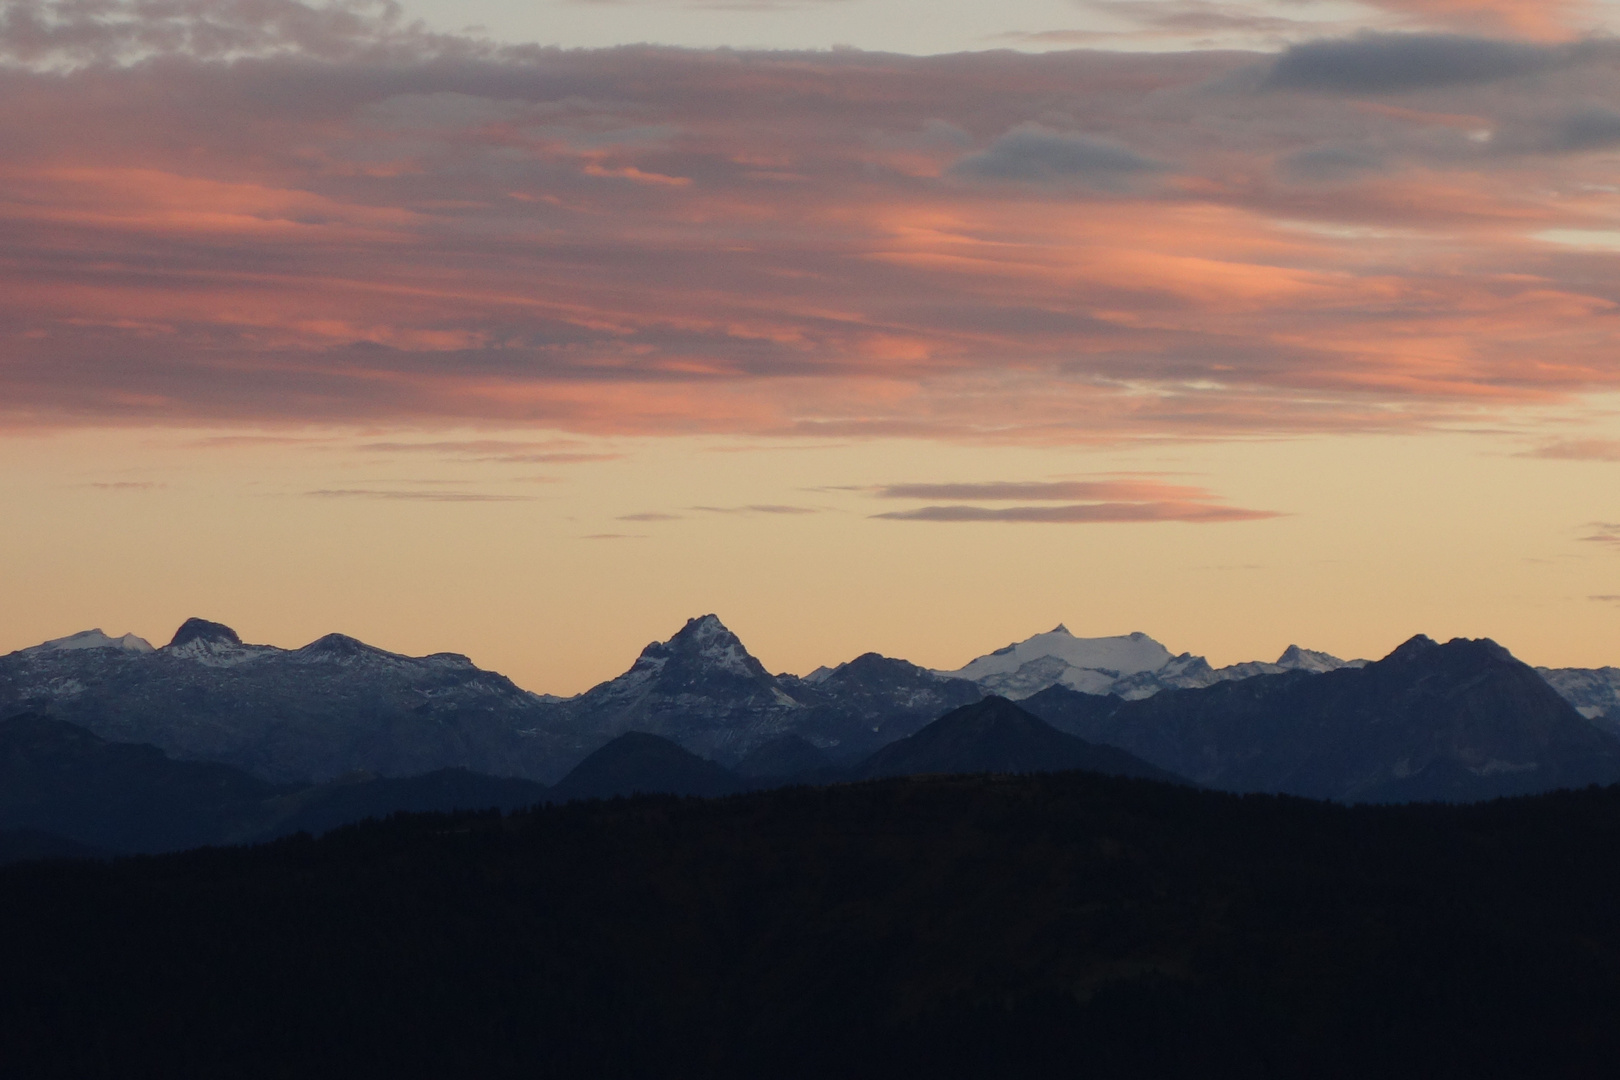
x=1083, y=514
x=364, y=222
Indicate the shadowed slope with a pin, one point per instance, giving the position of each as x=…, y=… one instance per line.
x=637, y=762
x=996, y=736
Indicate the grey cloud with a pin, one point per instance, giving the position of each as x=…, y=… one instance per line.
x=121, y=31
x=1090, y=513
x=756, y=509
x=1606, y=598
x=1038, y=154
x=128, y=485
x=1380, y=63
x=1589, y=129
x=650, y=516
x=1331, y=163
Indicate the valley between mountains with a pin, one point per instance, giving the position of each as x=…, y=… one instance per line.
x=111, y=744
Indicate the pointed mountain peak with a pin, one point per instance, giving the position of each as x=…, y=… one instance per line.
x=1413, y=647
x=1060, y=629
x=203, y=632
x=704, y=643
x=702, y=628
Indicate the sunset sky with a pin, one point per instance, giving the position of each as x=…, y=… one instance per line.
x=529, y=330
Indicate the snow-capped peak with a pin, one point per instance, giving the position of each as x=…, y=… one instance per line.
x=1128, y=654
x=1295, y=658
x=91, y=639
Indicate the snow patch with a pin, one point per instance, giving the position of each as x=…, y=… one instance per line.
x=91, y=639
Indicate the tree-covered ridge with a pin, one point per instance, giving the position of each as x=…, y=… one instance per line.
x=1065, y=924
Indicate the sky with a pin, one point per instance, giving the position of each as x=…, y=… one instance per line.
x=529, y=331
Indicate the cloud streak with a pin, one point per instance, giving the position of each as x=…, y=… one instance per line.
x=1061, y=490
x=1578, y=450
x=1083, y=514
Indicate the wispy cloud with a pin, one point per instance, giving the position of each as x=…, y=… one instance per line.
x=1578, y=450
x=614, y=536
x=1061, y=490
x=1606, y=599
x=1083, y=514
x=1604, y=532
x=415, y=496
x=649, y=516
x=491, y=450
x=1130, y=499
x=128, y=485
x=757, y=508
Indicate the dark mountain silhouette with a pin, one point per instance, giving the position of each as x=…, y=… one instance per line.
x=60, y=779
x=640, y=763
x=996, y=736
x=783, y=756
x=1458, y=722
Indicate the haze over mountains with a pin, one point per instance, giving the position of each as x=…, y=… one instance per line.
x=699, y=714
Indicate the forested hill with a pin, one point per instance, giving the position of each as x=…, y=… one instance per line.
x=1061, y=924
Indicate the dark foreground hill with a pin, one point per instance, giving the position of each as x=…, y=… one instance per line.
x=641, y=763
x=996, y=736
x=74, y=792
x=1049, y=925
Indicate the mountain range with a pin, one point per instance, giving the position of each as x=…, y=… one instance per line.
x=1308, y=723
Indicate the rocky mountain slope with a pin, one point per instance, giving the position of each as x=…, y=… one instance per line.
x=332, y=707
x=1460, y=722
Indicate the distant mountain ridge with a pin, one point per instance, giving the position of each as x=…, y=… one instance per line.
x=338, y=706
